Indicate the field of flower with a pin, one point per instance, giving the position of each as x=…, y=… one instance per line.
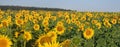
x=27, y=28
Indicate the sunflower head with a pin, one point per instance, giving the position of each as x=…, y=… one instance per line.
x=5, y=41
x=73, y=20
x=81, y=28
x=45, y=23
x=16, y=34
x=5, y=23
x=53, y=18
x=107, y=24
x=53, y=44
x=35, y=21
x=94, y=21
x=46, y=29
x=1, y=25
x=43, y=39
x=113, y=21
x=60, y=29
x=48, y=38
x=53, y=35
x=40, y=17
x=88, y=33
x=27, y=35
x=19, y=22
x=83, y=18
x=30, y=17
x=66, y=43
x=98, y=25
x=36, y=27
x=68, y=21
x=89, y=14
x=59, y=23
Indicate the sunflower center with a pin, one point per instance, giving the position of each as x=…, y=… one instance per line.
x=19, y=22
x=3, y=43
x=59, y=28
x=88, y=32
x=26, y=36
x=45, y=23
x=4, y=23
x=36, y=26
x=114, y=21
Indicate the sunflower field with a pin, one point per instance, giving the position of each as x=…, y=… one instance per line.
x=39, y=28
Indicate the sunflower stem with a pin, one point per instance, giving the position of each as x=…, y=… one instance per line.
x=24, y=43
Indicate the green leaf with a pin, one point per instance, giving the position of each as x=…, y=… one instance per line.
x=101, y=42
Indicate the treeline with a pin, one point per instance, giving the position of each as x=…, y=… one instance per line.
x=31, y=8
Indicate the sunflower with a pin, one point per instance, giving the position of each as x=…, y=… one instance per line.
x=66, y=17
x=68, y=21
x=30, y=17
x=46, y=29
x=77, y=23
x=87, y=23
x=1, y=16
x=5, y=41
x=119, y=20
x=26, y=19
x=73, y=15
x=94, y=21
x=27, y=35
x=113, y=21
x=59, y=23
x=16, y=34
x=66, y=43
x=36, y=27
x=45, y=23
x=53, y=35
x=9, y=19
x=60, y=29
x=19, y=22
x=48, y=38
x=83, y=18
x=1, y=25
x=89, y=14
x=81, y=28
x=40, y=17
x=48, y=14
x=73, y=20
x=98, y=25
x=53, y=18
x=107, y=24
x=88, y=33
x=53, y=44
x=18, y=15
x=5, y=23
x=43, y=39
x=35, y=21
x=59, y=14
x=105, y=19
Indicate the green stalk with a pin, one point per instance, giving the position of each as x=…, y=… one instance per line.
x=24, y=43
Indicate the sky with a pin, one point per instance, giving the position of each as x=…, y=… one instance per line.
x=79, y=5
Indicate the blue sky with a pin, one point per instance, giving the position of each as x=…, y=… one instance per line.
x=80, y=5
